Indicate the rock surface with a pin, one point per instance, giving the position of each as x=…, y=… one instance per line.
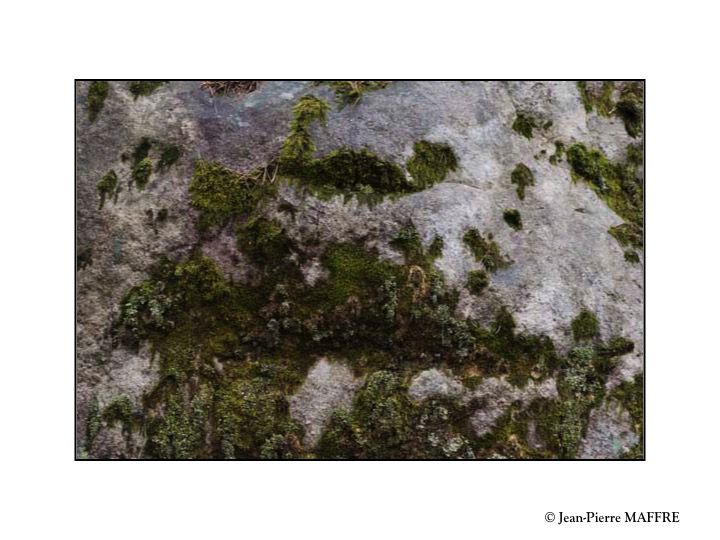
x=609, y=432
x=564, y=258
x=330, y=386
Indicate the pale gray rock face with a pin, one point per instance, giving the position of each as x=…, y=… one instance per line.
x=609, y=432
x=434, y=383
x=330, y=386
x=564, y=259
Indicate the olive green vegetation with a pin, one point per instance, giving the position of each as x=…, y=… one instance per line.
x=356, y=172
x=385, y=424
x=141, y=172
x=119, y=411
x=524, y=124
x=299, y=148
x=230, y=355
x=485, y=250
x=144, y=88
x=108, y=187
x=141, y=150
x=430, y=163
x=220, y=194
x=559, y=153
x=600, y=101
x=632, y=256
x=522, y=177
x=351, y=92
x=512, y=218
x=630, y=394
x=263, y=240
x=477, y=282
x=97, y=93
x=630, y=106
x=561, y=424
x=585, y=326
x=93, y=422
x=169, y=156
x=618, y=184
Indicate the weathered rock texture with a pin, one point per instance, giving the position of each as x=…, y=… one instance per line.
x=330, y=386
x=563, y=259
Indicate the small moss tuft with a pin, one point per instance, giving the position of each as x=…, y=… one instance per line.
x=630, y=108
x=141, y=150
x=485, y=250
x=522, y=177
x=144, y=88
x=559, y=153
x=597, y=96
x=97, y=93
x=431, y=162
x=351, y=92
x=220, y=194
x=477, y=282
x=264, y=241
x=585, y=326
x=524, y=124
x=119, y=410
x=627, y=234
x=632, y=256
x=169, y=156
x=512, y=218
x=357, y=171
x=615, y=183
x=141, y=173
x=108, y=186
x=298, y=148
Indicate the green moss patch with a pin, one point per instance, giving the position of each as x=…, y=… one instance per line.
x=599, y=99
x=585, y=326
x=430, y=163
x=615, y=183
x=524, y=125
x=220, y=194
x=144, y=88
x=485, y=250
x=631, y=108
x=477, y=281
x=169, y=156
x=356, y=172
x=522, y=177
x=141, y=172
x=108, y=187
x=351, y=92
x=97, y=93
x=632, y=256
x=557, y=156
x=512, y=218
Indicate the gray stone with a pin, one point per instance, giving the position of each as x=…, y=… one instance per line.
x=330, y=386
x=609, y=432
x=434, y=383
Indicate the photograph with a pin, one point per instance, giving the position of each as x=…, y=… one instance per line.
x=359, y=269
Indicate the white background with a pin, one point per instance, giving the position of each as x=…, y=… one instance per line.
x=45, y=45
